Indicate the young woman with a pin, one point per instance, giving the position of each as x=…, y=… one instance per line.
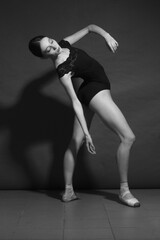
x=93, y=97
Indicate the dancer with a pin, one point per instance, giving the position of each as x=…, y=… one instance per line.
x=93, y=97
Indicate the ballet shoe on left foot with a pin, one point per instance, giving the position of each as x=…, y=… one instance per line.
x=128, y=199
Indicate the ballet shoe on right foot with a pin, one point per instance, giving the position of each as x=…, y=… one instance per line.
x=69, y=196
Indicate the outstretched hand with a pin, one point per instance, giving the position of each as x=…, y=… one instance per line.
x=111, y=43
x=89, y=144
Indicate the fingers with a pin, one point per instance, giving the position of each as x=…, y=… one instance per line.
x=91, y=148
x=114, y=46
x=116, y=43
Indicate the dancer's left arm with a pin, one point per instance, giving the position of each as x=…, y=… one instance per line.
x=92, y=28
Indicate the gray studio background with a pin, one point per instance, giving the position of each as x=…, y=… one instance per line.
x=36, y=116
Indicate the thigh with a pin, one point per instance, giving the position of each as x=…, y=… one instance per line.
x=77, y=129
x=110, y=114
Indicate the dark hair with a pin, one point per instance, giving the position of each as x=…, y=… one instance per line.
x=34, y=46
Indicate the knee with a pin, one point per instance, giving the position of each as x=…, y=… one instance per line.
x=129, y=139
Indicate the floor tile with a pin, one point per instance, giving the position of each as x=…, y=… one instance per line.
x=130, y=222
x=87, y=234
x=6, y=233
x=137, y=233
x=78, y=210
x=23, y=233
x=42, y=219
x=87, y=224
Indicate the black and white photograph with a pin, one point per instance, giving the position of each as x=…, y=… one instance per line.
x=80, y=120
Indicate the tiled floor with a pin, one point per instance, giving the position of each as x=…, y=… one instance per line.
x=97, y=215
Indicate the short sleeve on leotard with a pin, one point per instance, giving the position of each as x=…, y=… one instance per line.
x=64, y=44
x=68, y=65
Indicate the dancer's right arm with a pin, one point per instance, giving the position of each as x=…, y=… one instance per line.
x=67, y=84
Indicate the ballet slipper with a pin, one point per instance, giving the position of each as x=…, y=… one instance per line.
x=128, y=199
x=69, y=196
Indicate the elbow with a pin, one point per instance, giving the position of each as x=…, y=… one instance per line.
x=91, y=27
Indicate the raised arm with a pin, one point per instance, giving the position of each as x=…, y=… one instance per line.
x=92, y=28
x=67, y=84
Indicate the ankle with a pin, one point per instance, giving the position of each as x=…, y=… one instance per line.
x=124, y=187
x=69, y=187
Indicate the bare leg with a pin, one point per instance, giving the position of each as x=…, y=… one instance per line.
x=70, y=158
x=72, y=151
x=111, y=115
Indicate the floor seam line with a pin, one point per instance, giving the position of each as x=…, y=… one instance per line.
x=109, y=222
x=64, y=212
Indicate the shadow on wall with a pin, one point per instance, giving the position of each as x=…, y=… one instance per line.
x=37, y=118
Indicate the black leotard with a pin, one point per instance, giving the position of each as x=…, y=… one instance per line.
x=81, y=65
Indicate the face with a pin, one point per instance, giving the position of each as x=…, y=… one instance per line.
x=49, y=47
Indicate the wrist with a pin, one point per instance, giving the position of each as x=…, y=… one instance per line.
x=107, y=35
x=87, y=135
